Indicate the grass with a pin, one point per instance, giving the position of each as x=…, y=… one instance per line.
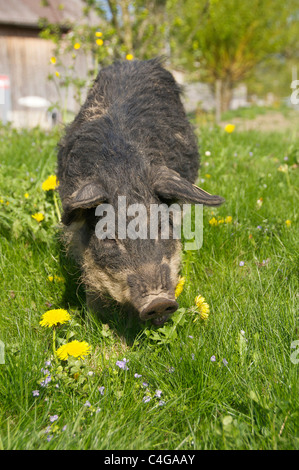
x=246, y=399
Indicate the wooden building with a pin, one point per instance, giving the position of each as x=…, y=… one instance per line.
x=25, y=90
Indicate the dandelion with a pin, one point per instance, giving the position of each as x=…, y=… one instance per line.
x=208, y=175
x=55, y=317
x=288, y=223
x=99, y=42
x=38, y=216
x=53, y=60
x=57, y=74
x=51, y=278
x=202, y=306
x=179, y=287
x=229, y=128
x=26, y=195
x=283, y=168
x=75, y=348
x=228, y=219
x=213, y=222
x=77, y=46
x=99, y=34
x=50, y=183
x=129, y=57
x=259, y=202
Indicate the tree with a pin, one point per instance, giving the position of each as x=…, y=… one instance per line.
x=138, y=25
x=226, y=39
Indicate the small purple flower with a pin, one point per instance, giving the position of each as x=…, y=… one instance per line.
x=145, y=384
x=88, y=404
x=48, y=363
x=250, y=154
x=259, y=227
x=171, y=369
x=225, y=362
x=45, y=382
x=158, y=393
x=101, y=390
x=137, y=376
x=35, y=393
x=146, y=399
x=241, y=263
x=64, y=428
x=190, y=336
x=45, y=371
x=123, y=364
x=161, y=403
x=49, y=438
x=213, y=358
x=192, y=356
x=53, y=418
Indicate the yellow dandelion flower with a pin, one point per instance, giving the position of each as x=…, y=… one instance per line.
x=77, y=46
x=129, y=57
x=75, y=348
x=55, y=317
x=229, y=128
x=57, y=74
x=220, y=221
x=53, y=60
x=99, y=34
x=208, y=175
x=228, y=219
x=50, y=183
x=1, y=201
x=288, y=223
x=213, y=221
x=51, y=278
x=202, y=306
x=283, y=168
x=99, y=42
x=179, y=287
x=38, y=216
x=26, y=195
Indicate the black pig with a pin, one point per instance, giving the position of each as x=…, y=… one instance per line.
x=131, y=138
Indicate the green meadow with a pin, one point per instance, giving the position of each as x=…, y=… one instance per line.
x=226, y=382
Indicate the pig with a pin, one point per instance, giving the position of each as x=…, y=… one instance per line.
x=130, y=138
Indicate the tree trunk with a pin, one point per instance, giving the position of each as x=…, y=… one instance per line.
x=226, y=93
x=128, y=33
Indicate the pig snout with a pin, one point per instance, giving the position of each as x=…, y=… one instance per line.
x=159, y=310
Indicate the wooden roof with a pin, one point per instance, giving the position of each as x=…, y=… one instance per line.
x=27, y=13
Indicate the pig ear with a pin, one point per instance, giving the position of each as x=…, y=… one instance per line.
x=88, y=196
x=169, y=185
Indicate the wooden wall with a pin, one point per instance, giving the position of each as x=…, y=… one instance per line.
x=25, y=58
